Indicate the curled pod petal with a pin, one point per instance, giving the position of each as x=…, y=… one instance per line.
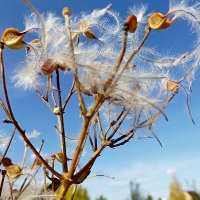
x=13, y=38
x=59, y=156
x=131, y=24
x=13, y=171
x=158, y=21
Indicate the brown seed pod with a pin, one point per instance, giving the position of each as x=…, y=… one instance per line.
x=158, y=21
x=13, y=171
x=48, y=67
x=131, y=24
x=90, y=34
x=13, y=38
x=6, y=162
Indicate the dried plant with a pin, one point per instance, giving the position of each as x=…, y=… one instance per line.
x=129, y=85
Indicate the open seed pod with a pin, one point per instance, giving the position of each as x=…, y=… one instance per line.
x=172, y=86
x=48, y=67
x=13, y=38
x=158, y=21
x=13, y=171
x=130, y=24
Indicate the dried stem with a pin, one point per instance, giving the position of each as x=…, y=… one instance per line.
x=24, y=182
x=12, y=118
x=61, y=125
x=8, y=146
x=71, y=92
x=3, y=174
x=78, y=85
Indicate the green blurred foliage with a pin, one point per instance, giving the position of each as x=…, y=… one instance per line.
x=176, y=192
x=81, y=194
x=101, y=198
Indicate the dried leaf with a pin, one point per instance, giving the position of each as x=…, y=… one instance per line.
x=13, y=38
x=13, y=171
x=158, y=21
x=130, y=24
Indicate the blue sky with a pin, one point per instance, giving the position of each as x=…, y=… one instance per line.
x=141, y=160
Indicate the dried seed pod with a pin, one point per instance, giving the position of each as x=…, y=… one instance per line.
x=66, y=12
x=158, y=21
x=6, y=162
x=48, y=67
x=172, y=86
x=13, y=38
x=13, y=171
x=90, y=34
x=130, y=24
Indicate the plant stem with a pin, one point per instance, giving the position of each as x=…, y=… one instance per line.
x=8, y=146
x=12, y=118
x=61, y=127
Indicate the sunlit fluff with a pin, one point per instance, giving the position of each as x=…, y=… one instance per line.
x=140, y=87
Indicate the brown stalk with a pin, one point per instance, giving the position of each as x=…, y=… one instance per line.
x=43, y=99
x=148, y=29
x=61, y=127
x=3, y=174
x=114, y=122
x=12, y=118
x=71, y=92
x=118, y=126
x=78, y=85
x=100, y=127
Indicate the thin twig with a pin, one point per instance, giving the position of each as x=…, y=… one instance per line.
x=61, y=127
x=3, y=174
x=8, y=146
x=71, y=92
x=24, y=182
x=100, y=127
x=12, y=118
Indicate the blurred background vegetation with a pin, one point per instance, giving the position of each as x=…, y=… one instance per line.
x=176, y=192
